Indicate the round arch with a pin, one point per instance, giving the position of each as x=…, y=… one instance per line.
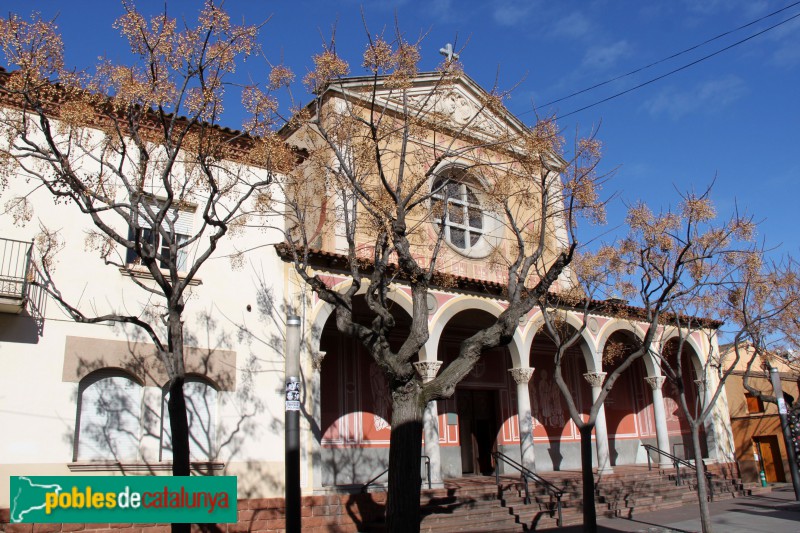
x=614, y=326
x=458, y=163
x=469, y=303
x=323, y=310
x=696, y=355
x=108, y=421
x=587, y=344
x=108, y=372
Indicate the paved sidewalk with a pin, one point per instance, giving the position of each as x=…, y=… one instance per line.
x=772, y=512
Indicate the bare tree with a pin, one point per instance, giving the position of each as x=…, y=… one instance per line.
x=382, y=185
x=137, y=151
x=593, y=272
x=763, y=308
x=688, y=269
x=764, y=305
x=653, y=266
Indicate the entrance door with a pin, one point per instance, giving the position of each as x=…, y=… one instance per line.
x=477, y=420
x=770, y=454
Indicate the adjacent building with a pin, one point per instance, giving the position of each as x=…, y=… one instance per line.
x=756, y=426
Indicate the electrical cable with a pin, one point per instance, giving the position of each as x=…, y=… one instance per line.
x=673, y=56
x=684, y=67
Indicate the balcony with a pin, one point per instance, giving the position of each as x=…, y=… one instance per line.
x=15, y=275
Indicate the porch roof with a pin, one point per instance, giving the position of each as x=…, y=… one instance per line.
x=338, y=263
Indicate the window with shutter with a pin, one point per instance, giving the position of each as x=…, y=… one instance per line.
x=181, y=220
x=201, y=406
x=109, y=418
x=754, y=403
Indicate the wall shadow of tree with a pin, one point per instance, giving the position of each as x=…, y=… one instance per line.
x=222, y=437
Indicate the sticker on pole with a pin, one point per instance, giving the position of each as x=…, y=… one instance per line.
x=292, y=394
x=782, y=405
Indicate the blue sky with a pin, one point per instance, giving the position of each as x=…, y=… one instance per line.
x=733, y=118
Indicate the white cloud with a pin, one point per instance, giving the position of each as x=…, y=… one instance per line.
x=787, y=56
x=707, y=7
x=442, y=9
x=386, y=5
x=606, y=56
x=785, y=47
x=511, y=12
x=715, y=7
x=576, y=25
x=707, y=96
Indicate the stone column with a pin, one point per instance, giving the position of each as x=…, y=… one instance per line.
x=596, y=380
x=662, y=438
x=427, y=370
x=524, y=417
x=705, y=393
x=316, y=441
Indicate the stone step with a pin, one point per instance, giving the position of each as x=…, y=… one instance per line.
x=478, y=504
x=495, y=519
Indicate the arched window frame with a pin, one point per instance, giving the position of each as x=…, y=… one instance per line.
x=466, y=214
x=102, y=396
x=201, y=411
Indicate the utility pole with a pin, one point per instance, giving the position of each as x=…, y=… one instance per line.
x=292, y=429
x=775, y=377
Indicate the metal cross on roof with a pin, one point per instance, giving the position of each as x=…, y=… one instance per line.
x=447, y=51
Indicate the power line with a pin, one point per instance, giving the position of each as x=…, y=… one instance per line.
x=684, y=67
x=673, y=56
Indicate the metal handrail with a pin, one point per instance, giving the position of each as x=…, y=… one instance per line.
x=527, y=474
x=427, y=470
x=371, y=481
x=677, y=462
x=673, y=458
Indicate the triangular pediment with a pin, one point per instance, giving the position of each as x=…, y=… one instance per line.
x=459, y=104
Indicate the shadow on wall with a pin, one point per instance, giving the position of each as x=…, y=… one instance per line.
x=21, y=328
x=121, y=417
x=354, y=466
x=27, y=326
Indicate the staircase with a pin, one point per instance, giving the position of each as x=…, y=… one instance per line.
x=479, y=504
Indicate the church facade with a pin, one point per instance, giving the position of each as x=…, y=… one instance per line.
x=88, y=398
x=350, y=410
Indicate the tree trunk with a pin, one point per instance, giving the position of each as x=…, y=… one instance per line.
x=589, y=512
x=179, y=427
x=178, y=419
x=702, y=488
x=405, y=451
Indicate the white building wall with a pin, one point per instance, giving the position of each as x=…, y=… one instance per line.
x=38, y=407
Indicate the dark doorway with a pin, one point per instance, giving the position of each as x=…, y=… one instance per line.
x=770, y=457
x=477, y=419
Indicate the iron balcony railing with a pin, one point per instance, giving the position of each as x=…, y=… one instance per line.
x=15, y=268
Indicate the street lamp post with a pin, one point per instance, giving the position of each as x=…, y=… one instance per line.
x=292, y=429
x=775, y=377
